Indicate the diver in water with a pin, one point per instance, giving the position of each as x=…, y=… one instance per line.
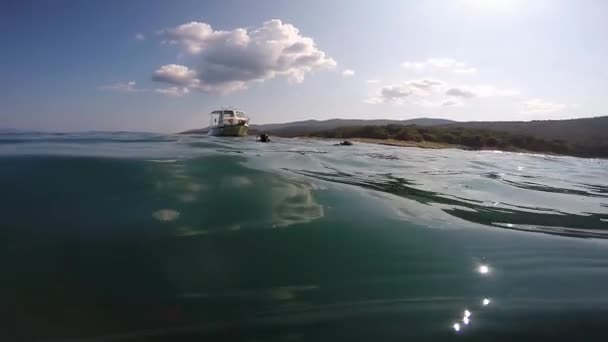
x=264, y=137
x=344, y=143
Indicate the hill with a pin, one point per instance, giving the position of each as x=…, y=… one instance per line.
x=301, y=128
x=584, y=137
x=577, y=131
x=457, y=135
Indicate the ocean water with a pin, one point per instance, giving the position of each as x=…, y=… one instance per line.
x=124, y=236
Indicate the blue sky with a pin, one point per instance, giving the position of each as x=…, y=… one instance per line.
x=164, y=65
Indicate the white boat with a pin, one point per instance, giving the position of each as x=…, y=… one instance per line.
x=229, y=123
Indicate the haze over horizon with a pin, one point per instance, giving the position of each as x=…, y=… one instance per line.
x=163, y=66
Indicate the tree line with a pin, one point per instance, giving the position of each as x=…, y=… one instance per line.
x=468, y=138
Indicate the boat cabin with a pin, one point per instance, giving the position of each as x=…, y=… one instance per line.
x=226, y=117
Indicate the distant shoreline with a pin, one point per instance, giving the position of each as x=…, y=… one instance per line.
x=421, y=144
x=474, y=139
x=390, y=142
x=408, y=143
x=428, y=145
x=584, y=138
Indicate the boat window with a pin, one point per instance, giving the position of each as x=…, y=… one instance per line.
x=228, y=113
x=240, y=114
x=217, y=112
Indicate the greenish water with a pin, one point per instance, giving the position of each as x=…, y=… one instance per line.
x=118, y=236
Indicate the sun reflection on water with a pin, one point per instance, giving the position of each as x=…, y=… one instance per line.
x=466, y=313
x=483, y=269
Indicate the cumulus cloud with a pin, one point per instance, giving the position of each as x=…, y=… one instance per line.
x=441, y=64
x=436, y=104
x=173, y=91
x=123, y=87
x=437, y=93
x=421, y=90
x=426, y=103
x=469, y=92
x=391, y=93
x=425, y=87
x=460, y=92
x=492, y=91
x=348, y=72
x=395, y=93
x=225, y=61
x=140, y=36
x=538, y=106
x=176, y=74
x=451, y=103
x=374, y=100
x=131, y=87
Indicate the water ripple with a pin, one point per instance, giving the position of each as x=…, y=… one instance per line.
x=518, y=217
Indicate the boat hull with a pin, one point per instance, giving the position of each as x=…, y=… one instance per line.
x=230, y=130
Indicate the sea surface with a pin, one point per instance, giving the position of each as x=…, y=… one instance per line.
x=133, y=236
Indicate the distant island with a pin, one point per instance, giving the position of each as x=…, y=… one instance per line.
x=587, y=137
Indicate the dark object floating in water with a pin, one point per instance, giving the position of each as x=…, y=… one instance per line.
x=344, y=143
x=264, y=137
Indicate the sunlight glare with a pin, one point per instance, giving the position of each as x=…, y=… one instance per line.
x=484, y=269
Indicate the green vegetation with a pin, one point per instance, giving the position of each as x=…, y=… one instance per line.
x=470, y=138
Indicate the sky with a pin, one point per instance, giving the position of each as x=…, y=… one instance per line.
x=163, y=66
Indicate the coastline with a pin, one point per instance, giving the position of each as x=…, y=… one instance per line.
x=407, y=143
x=423, y=144
x=433, y=145
x=392, y=142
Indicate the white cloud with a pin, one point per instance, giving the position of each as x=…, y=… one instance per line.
x=451, y=103
x=173, y=91
x=131, y=87
x=538, y=106
x=440, y=64
x=229, y=60
x=348, y=72
x=395, y=93
x=422, y=90
x=372, y=81
x=425, y=87
x=128, y=87
x=460, y=92
x=140, y=36
x=176, y=74
x=413, y=65
x=435, y=104
x=373, y=100
x=469, y=92
x=492, y=91
x=427, y=103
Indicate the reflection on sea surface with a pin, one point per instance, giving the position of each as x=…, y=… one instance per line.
x=227, y=200
x=519, y=217
x=466, y=318
x=151, y=237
